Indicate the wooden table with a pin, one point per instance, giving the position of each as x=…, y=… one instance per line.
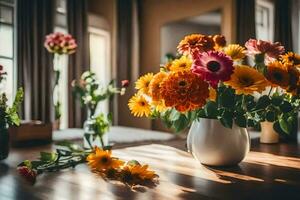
x=268, y=172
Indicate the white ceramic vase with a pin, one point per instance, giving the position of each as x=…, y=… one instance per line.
x=215, y=145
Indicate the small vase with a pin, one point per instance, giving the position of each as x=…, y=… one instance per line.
x=4, y=143
x=215, y=145
x=268, y=134
x=89, y=139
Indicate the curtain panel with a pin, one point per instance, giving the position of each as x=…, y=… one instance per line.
x=245, y=19
x=78, y=62
x=283, y=23
x=35, y=70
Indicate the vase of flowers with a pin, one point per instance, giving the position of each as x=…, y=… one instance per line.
x=8, y=117
x=209, y=85
x=90, y=93
x=213, y=144
x=60, y=45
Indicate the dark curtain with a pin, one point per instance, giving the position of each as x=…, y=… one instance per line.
x=127, y=56
x=78, y=62
x=245, y=27
x=283, y=23
x=34, y=22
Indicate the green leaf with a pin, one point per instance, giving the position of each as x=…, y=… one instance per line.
x=48, y=157
x=28, y=164
x=181, y=123
x=211, y=110
x=270, y=116
x=241, y=120
x=263, y=102
x=284, y=125
x=226, y=119
x=174, y=115
x=286, y=107
x=226, y=98
x=276, y=100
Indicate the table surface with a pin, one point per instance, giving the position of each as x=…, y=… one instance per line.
x=268, y=172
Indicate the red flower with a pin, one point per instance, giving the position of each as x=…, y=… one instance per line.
x=1, y=67
x=125, y=83
x=28, y=174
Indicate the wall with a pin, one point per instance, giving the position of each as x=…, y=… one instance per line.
x=171, y=34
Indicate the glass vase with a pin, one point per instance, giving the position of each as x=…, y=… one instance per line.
x=215, y=145
x=4, y=143
x=90, y=139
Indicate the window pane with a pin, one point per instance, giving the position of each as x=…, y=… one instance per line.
x=6, y=15
x=6, y=40
x=8, y=1
x=7, y=85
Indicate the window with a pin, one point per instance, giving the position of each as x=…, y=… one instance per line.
x=7, y=54
x=264, y=20
x=100, y=59
x=61, y=93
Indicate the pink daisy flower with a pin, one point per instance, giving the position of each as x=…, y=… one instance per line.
x=213, y=66
x=272, y=50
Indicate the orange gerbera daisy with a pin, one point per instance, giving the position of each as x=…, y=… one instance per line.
x=154, y=86
x=101, y=160
x=277, y=74
x=291, y=58
x=247, y=80
x=220, y=41
x=184, y=90
x=134, y=173
x=195, y=43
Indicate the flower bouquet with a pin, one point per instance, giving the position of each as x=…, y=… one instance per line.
x=211, y=80
x=90, y=92
x=59, y=44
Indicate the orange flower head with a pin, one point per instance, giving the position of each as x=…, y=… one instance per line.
x=134, y=173
x=195, y=43
x=277, y=74
x=184, y=90
x=291, y=58
x=101, y=160
x=220, y=41
x=154, y=86
x=142, y=84
x=247, y=80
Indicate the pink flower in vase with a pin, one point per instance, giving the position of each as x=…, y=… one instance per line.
x=213, y=67
x=271, y=50
x=60, y=43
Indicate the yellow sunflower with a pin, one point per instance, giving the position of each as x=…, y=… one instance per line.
x=101, y=160
x=278, y=74
x=135, y=173
x=154, y=86
x=184, y=63
x=247, y=80
x=235, y=51
x=291, y=58
x=139, y=106
x=142, y=84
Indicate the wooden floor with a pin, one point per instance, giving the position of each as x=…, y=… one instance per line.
x=268, y=172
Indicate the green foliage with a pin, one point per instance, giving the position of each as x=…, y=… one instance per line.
x=9, y=115
x=89, y=91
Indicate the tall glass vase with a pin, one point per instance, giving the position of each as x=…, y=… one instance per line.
x=4, y=143
x=91, y=139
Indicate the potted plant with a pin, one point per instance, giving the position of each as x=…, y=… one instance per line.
x=212, y=88
x=8, y=117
